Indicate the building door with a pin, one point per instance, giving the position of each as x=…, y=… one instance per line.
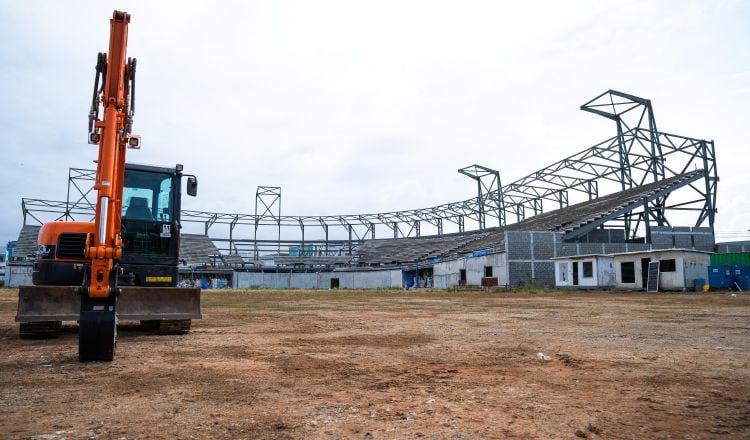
x=334, y=283
x=644, y=271
x=575, y=273
x=462, y=277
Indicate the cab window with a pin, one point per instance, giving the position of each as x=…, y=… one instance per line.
x=147, y=196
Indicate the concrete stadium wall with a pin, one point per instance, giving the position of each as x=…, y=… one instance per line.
x=17, y=275
x=321, y=280
x=446, y=275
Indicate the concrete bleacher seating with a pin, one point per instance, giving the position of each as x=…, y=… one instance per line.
x=400, y=250
x=574, y=216
x=197, y=250
x=26, y=242
x=332, y=260
x=409, y=250
x=232, y=260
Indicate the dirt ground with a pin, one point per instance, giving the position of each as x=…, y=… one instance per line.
x=394, y=364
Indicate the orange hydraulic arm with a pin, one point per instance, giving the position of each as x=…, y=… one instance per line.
x=97, y=330
x=112, y=133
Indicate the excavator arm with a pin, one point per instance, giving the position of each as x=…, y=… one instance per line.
x=99, y=292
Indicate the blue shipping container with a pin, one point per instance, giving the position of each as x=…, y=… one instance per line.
x=720, y=277
x=743, y=281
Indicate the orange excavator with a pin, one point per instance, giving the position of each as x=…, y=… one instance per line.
x=148, y=293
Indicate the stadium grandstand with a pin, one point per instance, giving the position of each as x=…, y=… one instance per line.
x=641, y=189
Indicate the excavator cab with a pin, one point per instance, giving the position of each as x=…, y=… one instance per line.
x=150, y=226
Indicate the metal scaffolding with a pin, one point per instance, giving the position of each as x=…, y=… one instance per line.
x=636, y=155
x=489, y=195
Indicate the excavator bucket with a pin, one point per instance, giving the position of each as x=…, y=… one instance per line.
x=41, y=308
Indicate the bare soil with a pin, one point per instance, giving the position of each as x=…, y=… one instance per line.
x=393, y=364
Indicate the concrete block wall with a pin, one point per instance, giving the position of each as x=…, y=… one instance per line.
x=614, y=248
x=518, y=245
x=567, y=250
x=637, y=247
x=544, y=272
x=598, y=236
x=616, y=235
x=545, y=244
x=529, y=256
x=733, y=246
x=703, y=239
x=664, y=237
x=590, y=248
x=661, y=246
x=519, y=273
x=603, y=236
x=682, y=237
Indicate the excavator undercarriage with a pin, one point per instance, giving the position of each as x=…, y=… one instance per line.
x=169, y=310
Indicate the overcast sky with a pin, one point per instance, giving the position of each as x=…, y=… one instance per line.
x=356, y=107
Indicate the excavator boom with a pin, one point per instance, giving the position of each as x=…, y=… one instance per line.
x=97, y=337
x=104, y=246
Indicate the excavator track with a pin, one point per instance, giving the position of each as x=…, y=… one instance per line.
x=40, y=329
x=174, y=327
x=167, y=326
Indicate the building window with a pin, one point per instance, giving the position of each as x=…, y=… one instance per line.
x=627, y=270
x=667, y=265
x=588, y=269
x=562, y=269
x=487, y=271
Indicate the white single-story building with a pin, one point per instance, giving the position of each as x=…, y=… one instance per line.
x=585, y=271
x=678, y=268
